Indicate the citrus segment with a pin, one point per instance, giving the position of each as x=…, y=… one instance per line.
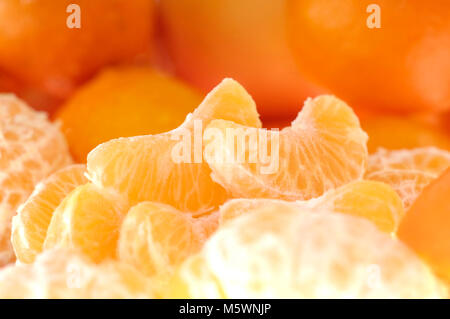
x=374, y=201
x=305, y=254
x=121, y=102
x=88, y=219
x=323, y=149
x=407, y=171
x=426, y=226
x=155, y=238
x=145, y=168
x=62, y=273
x=30, y=225
x=31, y=148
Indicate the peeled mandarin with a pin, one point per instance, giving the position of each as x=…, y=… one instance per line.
x=149, y=167
x=155, y=238
x=281, y=253
x=407, y=171
x=63, y=273
x=31, y=148
x=29, y=226
x=323, y=148
x=88, y=219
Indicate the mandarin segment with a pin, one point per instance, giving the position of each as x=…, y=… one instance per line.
x=155, y=238
x=31, y=148
x=29, y=226
x=407, y=171
x=374, y=201
x=426, y=226
x=122, y=102
x=280, y=253
x=323, y=149
x=62, y=273
x=88, y=219
x=144, y=168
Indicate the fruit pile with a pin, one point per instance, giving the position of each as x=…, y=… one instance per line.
x=150, y=217
x=108, y=189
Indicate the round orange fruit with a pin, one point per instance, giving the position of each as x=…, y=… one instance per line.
x=245, y=40
x=377, y=54
x=41, y=44
x=122, y=102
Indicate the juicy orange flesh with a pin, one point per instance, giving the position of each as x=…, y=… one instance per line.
x=144, y=169
x=323, y=149
x=31, y=223
x=88, y=219
x=173, y=236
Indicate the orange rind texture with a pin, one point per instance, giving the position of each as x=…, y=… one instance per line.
x=144, y=168
x=426, y=226
x=65, y=273
x=288, y=253
x=29, y=226
x=38, y=47
x=31, y=149
x=323, y=148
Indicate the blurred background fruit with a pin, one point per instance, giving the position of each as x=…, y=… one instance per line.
x=246, y=40
x=404, y=65
x=121, y=102
x=39, y=50
x=392, y=131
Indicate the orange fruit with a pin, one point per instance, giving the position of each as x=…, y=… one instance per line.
x=426, y=226
x=395, y=132
x=403, y=65
x=253, y=49
x=38, y=48
x=407, y=171
x=121, y=102
x=374, y=201
x=88, y=219
x=62, y=273
x=274, y=252
x=31, y=148
x=150, y=167
x=155, y=238
x=322, y=149
x=29, y=226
